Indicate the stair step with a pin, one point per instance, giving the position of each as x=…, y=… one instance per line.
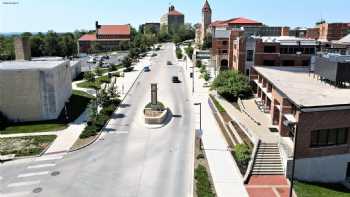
x=267, y=173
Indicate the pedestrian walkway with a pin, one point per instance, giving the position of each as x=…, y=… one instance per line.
x=226, y=176
x=268, y=186
x=256, y=121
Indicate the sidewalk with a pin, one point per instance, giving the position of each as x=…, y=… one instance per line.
x=67, y=137
x=227, y=179
x=261, y=131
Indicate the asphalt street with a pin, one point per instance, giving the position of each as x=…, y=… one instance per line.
x=130, y=159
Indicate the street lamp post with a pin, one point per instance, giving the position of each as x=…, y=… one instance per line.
x=293, y=165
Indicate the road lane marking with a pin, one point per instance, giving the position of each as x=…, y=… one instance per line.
x=48, y=158
x=42, y=166
x=33, y=174
x=15, y=194
x=119, y=132
x=20, y=184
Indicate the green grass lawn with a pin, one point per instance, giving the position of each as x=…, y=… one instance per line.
x=25, y=146
x=76, y=106
x=92, y=85
x=321, y=190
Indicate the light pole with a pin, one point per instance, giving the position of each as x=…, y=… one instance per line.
x=293, y=165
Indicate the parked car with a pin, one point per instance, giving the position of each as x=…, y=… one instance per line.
x=146, y=69
x=175, y=79
x=92, y=60
x=169, y=63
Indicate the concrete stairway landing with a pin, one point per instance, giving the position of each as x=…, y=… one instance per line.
x=268, y=160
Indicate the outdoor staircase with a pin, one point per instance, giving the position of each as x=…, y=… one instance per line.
x=268, y=160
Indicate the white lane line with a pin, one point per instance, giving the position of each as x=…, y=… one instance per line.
x=41, y=166
x=120, y=132
x=48, y=158
x=15, y=194
x=33, y=174
x=27, y=183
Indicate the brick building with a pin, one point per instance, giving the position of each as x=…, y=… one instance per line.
x=314, y=107
x=105, y=38
x=333, y=31
x=172, y=20
x=270, y=51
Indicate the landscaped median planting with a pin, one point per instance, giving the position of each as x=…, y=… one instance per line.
x=203, y=185
x=25, y=146
x=304, y=189
x=95, y=124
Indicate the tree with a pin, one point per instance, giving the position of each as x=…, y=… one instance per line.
x=52, y=46
x=207, y=43
x=189, y=51
x=89, y=76
x=37, y=43
x=127, y=63
x=230, y=84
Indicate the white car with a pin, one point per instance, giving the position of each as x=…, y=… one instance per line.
x=91, y=60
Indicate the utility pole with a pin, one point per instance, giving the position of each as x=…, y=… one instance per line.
x=200, y=123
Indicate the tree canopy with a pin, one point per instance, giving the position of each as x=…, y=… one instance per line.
x=231, y=84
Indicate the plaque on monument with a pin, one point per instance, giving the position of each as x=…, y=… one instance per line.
x=154, y=94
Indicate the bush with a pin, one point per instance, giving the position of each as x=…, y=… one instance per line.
x=206, y=76
x=198, y=64
x=178, y=53
x=115, y=67
x=99, y=71
x=203, y=186
x=3, y=121
x=89, y=76
x=230, y=84
x=189, y=51
x=242, y=154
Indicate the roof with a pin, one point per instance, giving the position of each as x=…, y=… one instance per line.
x=29, y=65
x=288, y=40
x=236, y=21
x=114, y=30
x=174, y=13
x=206, y=6
x=88, y=37
x=345, y=39
x=303, y=89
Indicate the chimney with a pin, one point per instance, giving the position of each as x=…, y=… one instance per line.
x=22, y=48
x=171, y=8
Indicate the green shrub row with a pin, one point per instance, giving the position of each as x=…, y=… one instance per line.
x=242, y=154
x=178, y=53
x=95, y=124
x=203, y=186
x=218, y=106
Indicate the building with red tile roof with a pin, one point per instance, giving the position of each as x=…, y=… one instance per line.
x=172, y=20
x=105, y=38
x=236, y=23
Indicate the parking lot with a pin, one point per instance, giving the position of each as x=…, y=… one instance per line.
x=113, y=59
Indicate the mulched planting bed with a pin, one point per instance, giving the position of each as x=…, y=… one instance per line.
x=25, y=146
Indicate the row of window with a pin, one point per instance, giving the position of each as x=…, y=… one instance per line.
x=329, y=137
x=290, y=50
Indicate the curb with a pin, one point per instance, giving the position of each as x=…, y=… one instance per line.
x=101, y=131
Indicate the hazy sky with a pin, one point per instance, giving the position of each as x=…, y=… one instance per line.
x=69, y=15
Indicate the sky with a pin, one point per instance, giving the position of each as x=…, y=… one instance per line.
x=70, y=15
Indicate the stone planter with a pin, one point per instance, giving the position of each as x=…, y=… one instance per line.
x=155, y=117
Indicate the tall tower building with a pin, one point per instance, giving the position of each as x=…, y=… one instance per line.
x=206, y=18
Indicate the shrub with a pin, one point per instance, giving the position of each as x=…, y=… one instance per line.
x=99, y=71
x=89, y=76
x=178, y=53
x=206, y=76
x=3, y=121
x=230, y=84
x=189, y=51
x=203, y=186
x=198, y=64
x=242, y=154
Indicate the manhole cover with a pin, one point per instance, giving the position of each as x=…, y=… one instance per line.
x=55, y=173
x=37, y=190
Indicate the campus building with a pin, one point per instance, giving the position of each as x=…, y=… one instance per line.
x=248, y=51
x=172, y=20
x=34, y=90
x=333, y=31
x=309, y=106
x=105, y=38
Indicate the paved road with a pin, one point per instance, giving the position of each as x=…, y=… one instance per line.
x=130, y=160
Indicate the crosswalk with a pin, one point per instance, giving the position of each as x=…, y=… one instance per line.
x=31, y=177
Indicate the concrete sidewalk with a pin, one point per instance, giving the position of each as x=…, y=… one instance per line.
x=227, y=178
x=67, y=137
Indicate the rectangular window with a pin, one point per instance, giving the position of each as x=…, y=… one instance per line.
x=269, y=63
x=224, y=43
x=250, y=54
x=329, y=137
x=269, y=49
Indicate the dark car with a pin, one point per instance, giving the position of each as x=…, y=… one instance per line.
x=169, y=63
x=175, y=79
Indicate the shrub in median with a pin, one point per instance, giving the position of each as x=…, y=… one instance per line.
x=203, y=186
